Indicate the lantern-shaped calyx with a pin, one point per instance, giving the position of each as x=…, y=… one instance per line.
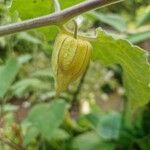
x=70, y=59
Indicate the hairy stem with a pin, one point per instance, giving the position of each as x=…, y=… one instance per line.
x=56, y=18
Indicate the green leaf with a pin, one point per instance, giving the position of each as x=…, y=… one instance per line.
x=91, y=141
x=86, y=141
x=107, y=126
x=9, y=108
x=144, y=19
x=28, y=85
x=60, y=134
x=49, y=32
x=31, y=8
x=35, y=8
x=24, y=58
x=38, y=8
x=64, y=4
x=136, y=69
x=30, y=135
x=139, y=37
x=113, y=20
x=7, y=75
x=43, y=73
x=47, y=118
x=29, y=38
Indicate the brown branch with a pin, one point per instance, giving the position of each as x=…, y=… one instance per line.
x=56, y=18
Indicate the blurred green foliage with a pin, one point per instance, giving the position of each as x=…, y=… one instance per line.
x=32, y=118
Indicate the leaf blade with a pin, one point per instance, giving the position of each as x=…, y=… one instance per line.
x=47, y=118
x=136, y=72
x=7, y=75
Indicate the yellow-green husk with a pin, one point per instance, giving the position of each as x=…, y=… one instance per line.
x=70, y=59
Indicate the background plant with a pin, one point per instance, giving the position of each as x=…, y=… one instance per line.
x=95, y=113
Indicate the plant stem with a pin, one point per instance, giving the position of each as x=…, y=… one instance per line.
x=57, y=5
x=74, y=109
x=57, y=18
x=75, y=28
